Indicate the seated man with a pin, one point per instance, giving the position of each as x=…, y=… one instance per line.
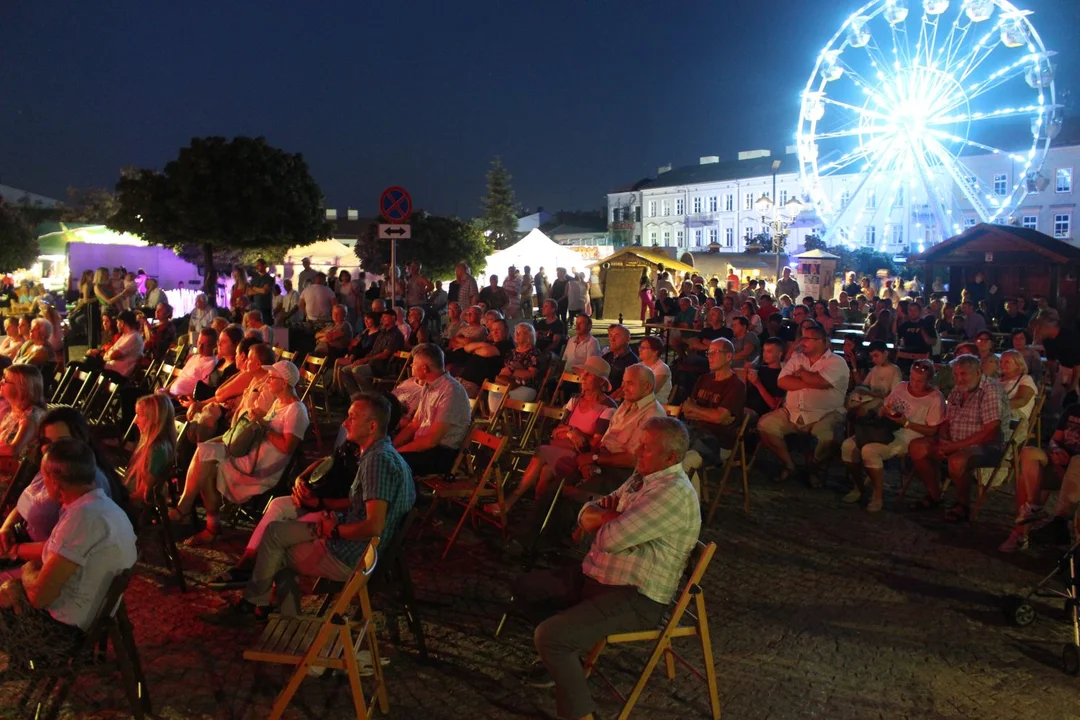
x=12, y=340
x=1056, y=468
x=745, y=342
x=816, y=381
x=125, y=353
x=431, y=440
x=550, y=330
x=619, y=356
x=695, y=364
x=381, y=496
x=54, y=601
x=361, y=373
x=866, y=399
x=763, y=393
x=644, y=533
x=715, y=407
x=971, y=437
x=482, y=360
x=198, y=367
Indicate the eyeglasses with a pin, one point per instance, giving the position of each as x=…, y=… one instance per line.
x=920, y=369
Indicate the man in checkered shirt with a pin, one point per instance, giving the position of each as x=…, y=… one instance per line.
x=972, y=436
x=645, y=531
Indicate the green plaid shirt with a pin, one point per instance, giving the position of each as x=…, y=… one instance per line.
x=648, y=544
x=381, y=474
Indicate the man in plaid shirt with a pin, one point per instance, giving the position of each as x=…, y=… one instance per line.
x=972, y=436
x=645, y=531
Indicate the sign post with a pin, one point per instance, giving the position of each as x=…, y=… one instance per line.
x=395, y=205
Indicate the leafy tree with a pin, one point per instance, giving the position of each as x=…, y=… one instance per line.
x=89, y=205
x=18, y=244
x=438, y=243
x=862, y=261
x=500, y=208
x=813, y=241
x=239, y=195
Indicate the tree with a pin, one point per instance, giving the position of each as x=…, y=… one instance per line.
x=438, y=243
x=813, y=241
x=18, y=244
x=239, y=195
x=89, y=205
x=862, y=261
x=500, y=214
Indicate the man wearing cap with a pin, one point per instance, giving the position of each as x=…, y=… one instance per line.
x=431, y=440
x=216, y=473
x=331, y=546
x=306, y=276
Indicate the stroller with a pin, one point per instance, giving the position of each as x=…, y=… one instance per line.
x=1020, y=612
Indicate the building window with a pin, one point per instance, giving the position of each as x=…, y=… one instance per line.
x=1064, y=180
x=1031, y=222
x=697, y=205
x=898, y=199
x=897, y=234
x=729, y=237
x=697, y=237
x=679, y=238
x=870, y=237
x=783, y=197
x=637, y=214
x=969, y=223
x=614, y=215
x=845, y=198
x=667, y=238
x=748, y=201
x=749, y=232
x=652, y=208
x=871, y=200
x=1001, y=184
x=652, y=237
x=680, y=206
x=713, y=236
x=729, y=203
x=1062, y=225
x=665, y=207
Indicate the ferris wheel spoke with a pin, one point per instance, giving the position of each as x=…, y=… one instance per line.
x=883, y=158
x=984, y=48
x=956, y=43
x=845, y=160
x=961, y=175
x=852, y=132
x=859, y=111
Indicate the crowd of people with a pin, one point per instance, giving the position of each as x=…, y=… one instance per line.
x=869, y=377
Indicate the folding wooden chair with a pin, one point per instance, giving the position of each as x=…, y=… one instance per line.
x=105, y=402
x=89, y=656
x=470, y=488
x=673, y=411
x=661, y=638
x=319, y=368
x=1035, y=421
x=277, y=353
x=482, y=413
x=399, y=360
x=61, y=385
x=737, y=459
x=1007, y=469
x=71, y=394
x=518, y=421
x=21, y=476
x=305, y=388
x=565, y=377
x=331, y=641
x=291, y=356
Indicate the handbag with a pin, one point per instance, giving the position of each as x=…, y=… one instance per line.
x=243, y=436
x=875, y=430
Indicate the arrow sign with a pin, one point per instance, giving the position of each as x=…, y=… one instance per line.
x=395, y=232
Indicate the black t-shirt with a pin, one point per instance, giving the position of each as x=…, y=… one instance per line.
x=545, y=331
x=477, y=369
x=709, y=334
x=852, y=289
x=911, y=336
x=1007, y=323
x=1065, y=348
x=1070, y=425
x=769, y=377
x=618, y=366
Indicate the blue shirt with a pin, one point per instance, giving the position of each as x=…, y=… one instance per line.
x=381, y=474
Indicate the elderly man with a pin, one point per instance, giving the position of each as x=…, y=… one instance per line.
x=482, y=360
x=582, y=345
x=361, y=373
x=644, y=533
x=331, y=546
x=198, y=367
x=619, y=356
x=816, y=382
x=472, y=330
x=715, y=406
x=973, y=323
x=154, y=294
x=431, y=440
x=56, y=598
x=972, y=436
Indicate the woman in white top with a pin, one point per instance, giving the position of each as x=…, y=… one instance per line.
x=588, y=418
x=214, y=474
x=1020, y=388
x=649, y=351
x=918, y=408
x=201, y=316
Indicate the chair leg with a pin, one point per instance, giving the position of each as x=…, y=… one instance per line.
x=127, y=670
x=408, y=601
x=669, y=661
x=171, y=552
x=707, y=655
x=461, y=523
x=745, y=484
x=127, y=634
x=643, y=679
x=594, y=655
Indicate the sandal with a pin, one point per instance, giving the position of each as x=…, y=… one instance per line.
x=957, y=513
x=785, y=474
x=176, y=516
x=201, y=538
x=232, y=578
x=927, y=503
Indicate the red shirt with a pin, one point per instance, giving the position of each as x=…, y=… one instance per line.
x=765, y=312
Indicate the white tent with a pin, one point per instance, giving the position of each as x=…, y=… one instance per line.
x=537, y=251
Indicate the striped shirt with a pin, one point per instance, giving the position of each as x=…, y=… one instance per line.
x=647, y=546
x=381, y=474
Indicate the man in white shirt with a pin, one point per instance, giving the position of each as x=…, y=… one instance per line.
x=125, y=353
x=287, y=304
x=60, y=594
x=198, y=367
x=306, y=276
x=316, y=300
x=582, y=345
x=154, y=294
x=816, y=382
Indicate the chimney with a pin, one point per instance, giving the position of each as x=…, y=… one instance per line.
x=663, y=169
x=331, y=214
x=754, y=154
x=709, y=159
x=353, y=214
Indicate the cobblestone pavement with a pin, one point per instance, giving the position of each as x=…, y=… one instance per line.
x=817, y=610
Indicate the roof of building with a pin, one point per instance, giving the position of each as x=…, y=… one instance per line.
x=654, y=256
x=16, y=195
x=721, y=172
x=601, y=227
x=985, y=238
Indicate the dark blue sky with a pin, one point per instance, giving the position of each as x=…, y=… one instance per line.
x=578, y=97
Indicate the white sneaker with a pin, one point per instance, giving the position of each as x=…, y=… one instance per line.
x=1017, y=540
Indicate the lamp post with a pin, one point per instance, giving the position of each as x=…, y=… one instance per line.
x=777, y=220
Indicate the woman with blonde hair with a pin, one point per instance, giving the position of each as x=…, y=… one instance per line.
x=56, y=340
x=103, y=291
x=155, y=451
x=24, y=391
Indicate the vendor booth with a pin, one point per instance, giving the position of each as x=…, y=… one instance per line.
x=623, y=278
x=757, y=266
x=323, y=254
x=537, y=251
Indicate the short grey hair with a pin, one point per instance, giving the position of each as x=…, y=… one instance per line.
x=418, y=309
x=530, y=329
x=967, y=360
x=71, y=461
x=42, y=323
x=644, y=370
x=727, y=344
x=672, y=435
x=432, y=356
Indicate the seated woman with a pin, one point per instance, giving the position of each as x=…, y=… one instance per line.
x=155, y=452
x=589, y=415
x=158, y=338
x=215, y=474
x=37, y=350
x=454, y=322
x=333, y=340
x=823, y=317
x=881, y=328
x=24, y=391
x=918, y=409
x=1022, y=344
x=520, y=368
x=749, y=311
x=649, y=351
x=359, y=347
x=48, y=311
x=1019, y=387
x=109, y=335
x=418, y=332
x=35, y=514
x=231, y=399
x=57, y=597
x=255, y=327
x=13, y=340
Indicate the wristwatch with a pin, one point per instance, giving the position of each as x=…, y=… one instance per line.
x=595, y=457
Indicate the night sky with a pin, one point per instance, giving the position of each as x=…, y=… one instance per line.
x=579, y=98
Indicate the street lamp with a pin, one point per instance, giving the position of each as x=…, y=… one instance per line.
x=777, y=219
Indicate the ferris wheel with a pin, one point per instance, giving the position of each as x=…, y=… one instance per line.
x=921, y=114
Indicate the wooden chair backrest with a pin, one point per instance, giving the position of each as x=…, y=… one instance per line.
x=481, y=408
x=109, y=607
x=565, y=377
x=673, y=411
x=518, y=419
x=356, y=583
x=289, y=355
x=470, y=452
x=309, y=381
x=316, y=362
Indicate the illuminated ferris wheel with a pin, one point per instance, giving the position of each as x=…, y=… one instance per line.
x=910, y=111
